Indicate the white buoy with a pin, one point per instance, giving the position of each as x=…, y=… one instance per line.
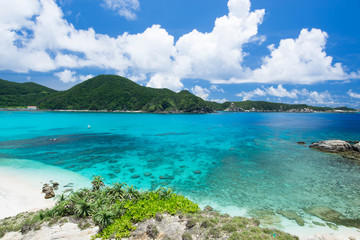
x=89, y=126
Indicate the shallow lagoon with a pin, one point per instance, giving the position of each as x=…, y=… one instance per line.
x=241, y=163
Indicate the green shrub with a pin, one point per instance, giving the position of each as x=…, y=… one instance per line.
x=146, y=208
x=186, y=236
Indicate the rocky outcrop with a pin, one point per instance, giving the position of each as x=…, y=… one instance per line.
x=343, y=148
x=233, y=108
x=202, y=110
x=69, y=231
x=334, y=146
x=48, y=190
x=205, y=225
x=356, y=147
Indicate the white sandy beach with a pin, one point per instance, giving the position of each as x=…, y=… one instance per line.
x=20, y=186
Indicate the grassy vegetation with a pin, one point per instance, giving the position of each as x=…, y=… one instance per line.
x=117, y=208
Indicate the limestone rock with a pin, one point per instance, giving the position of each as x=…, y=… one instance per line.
x=68, y=231
x=158, y=217
x=152, y=231
x=233, y=108
x=45, y=188
x=334, y=146
x=356, y=147
x=48, y=190
x=191, y=223
x=170, y=227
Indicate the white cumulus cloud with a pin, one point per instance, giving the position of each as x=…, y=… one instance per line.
x=68, y=76
x=35, y=36
x=300, y=61
x=251, y=94
x=85, y=77
x=219, y=100
x=165, y=81
x=301, y=96
x=219, y=54
x=216, y=89
x=353, y=95
x=201, y=92
x=280, y=91
x=125, y=8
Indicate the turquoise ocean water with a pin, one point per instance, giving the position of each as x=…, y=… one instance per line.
x=237, y=161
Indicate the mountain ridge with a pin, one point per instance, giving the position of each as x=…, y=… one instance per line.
x=115, y=93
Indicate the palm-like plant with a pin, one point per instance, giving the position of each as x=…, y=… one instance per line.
x=60, y=197
x=83, y=208
x=102, y=198
x=132, y=193
x=165, y=193
x=97, y=182
x=118, y=209
x=62, y=208
x=103, y=218
x=117, y=190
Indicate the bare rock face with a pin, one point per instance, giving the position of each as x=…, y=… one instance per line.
x=334, y=146
x=233, y=108
x=356, y=147
x=152, y=231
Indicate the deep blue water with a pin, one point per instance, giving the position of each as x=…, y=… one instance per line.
x=246, y=160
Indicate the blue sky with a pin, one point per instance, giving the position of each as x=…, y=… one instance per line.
x=294, y=51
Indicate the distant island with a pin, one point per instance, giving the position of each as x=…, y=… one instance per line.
x=118, y=94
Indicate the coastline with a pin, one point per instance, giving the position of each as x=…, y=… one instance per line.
x=307, y=232
x=164, y=112
x=20, y=195
x=20, y=189
x=20, y=186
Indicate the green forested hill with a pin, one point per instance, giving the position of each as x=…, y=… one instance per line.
x=21, y=94
x=110, y=92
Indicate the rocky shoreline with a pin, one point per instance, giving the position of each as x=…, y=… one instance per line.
x=346, y=149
